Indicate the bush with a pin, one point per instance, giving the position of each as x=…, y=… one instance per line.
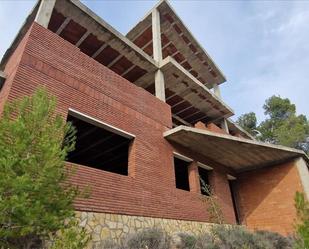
x=109, y=244
x=151, y=238
x=71, y=237
x=186, y=241
x=235, y=237
x=205, y=241
x=276, y=240
x=219, y=237
x=302, y=224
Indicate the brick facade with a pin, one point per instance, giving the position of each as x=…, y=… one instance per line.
x=83, y=84
x=266, y=197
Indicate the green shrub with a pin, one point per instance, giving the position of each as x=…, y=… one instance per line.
x=302, y=225
x=205, y=241
x=188, y=241
x=109, y=244
x=219, y=237
x=236, y=237
x=151, y=238
x=36, y=200
x=71, y=237
x=276, y=240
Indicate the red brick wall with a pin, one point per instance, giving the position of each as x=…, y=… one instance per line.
x=267, y=197
x=210, y=127
x=81, y=83
x=10, y=71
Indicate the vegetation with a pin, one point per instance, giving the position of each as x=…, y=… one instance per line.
x=36, y=201
x=219, y=237
x=213, y=207
x=302, y=225
x=151, y=238
x=281, y=126
x=248, y=121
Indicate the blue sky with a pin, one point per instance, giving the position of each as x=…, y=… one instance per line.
x=261, y=46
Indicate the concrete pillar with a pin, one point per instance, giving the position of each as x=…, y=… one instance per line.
x=303, y=171
x=157, y=54
x=194, y=179
x=156, y=36
x=159, y=85
x=224, y=126
x=216, y=90
x=44, y=12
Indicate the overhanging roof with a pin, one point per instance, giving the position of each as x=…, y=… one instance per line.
x=178, y=42
x=237, y=153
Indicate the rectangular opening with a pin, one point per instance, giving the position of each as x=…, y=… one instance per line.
x=99, y=146
x=232, y=184
x=204, y=180
x=181, y=174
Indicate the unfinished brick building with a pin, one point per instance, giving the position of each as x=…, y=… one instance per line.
x=150, y=123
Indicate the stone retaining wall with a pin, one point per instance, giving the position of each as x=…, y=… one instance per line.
x=113, y=226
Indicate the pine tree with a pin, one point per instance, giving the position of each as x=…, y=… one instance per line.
x=36, y=200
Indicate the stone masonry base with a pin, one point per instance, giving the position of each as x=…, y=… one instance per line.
x=104, y=226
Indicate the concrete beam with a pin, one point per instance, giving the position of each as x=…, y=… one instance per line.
x=99, y=50
x=182, y=157
x=202, y=165
x=101, y=124
x=63, y=25
x=83, y=38
x=44, y=13
x=181, y=120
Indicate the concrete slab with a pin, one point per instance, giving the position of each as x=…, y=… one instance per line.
x=236, y=153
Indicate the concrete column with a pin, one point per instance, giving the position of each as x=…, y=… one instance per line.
x=224, y=126
x=44, y=12
x=216, y=90
x=194, y=179
x=159, y=85
x=157, y=54
x=156, y=36
x=303, y=171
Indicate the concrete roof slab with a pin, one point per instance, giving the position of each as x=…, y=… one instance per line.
x=237, y=153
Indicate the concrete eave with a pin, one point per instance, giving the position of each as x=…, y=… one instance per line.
x=240, y=154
